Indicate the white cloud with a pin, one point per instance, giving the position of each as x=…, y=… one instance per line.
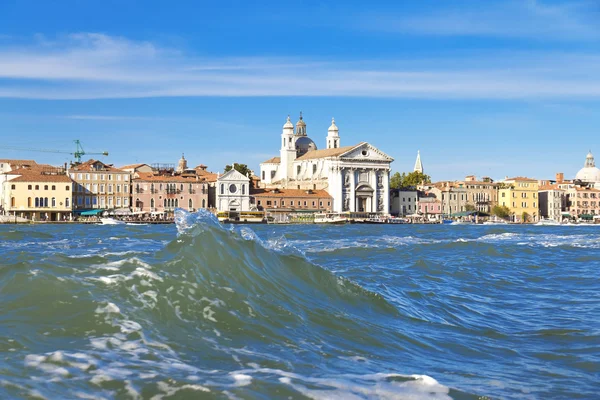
x=572, y=20
x=96, y=66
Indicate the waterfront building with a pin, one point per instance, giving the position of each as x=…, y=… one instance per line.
x=520, y=195
x=37, y=192
x=291, y=200
x=430, y=207
x=482, y=195
x=161, y=188
x=403, y=202
x=233, y=192
x=356, y=177
x=100, y=186
x=211, y=179
x=582, y=202
x=551, y=201
x=452, y=195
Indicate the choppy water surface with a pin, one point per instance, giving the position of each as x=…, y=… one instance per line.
x=200, y=310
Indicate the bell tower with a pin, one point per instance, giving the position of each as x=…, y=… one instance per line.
x=288, y=150
x=333, y=136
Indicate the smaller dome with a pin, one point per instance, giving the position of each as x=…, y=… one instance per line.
x=288, y=123
x=304, y=144
x=333, y=127
x=300, y=121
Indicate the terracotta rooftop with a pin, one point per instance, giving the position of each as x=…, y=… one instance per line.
x=17, y=162
x=549, y=187
x=150, y=177
x=521, y=179
x=39, y=175
x=89, y=166
x=586, y=189
x=274, y=160
x=132, y=166
x=327, y=152
x=289, y=193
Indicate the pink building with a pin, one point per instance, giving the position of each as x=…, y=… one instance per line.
x=430, y=206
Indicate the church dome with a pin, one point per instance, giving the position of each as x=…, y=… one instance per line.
x=589, y=173
x=304, y=144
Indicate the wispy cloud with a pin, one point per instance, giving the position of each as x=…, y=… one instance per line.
x=570, y=20
x=108, y=118
x=97, y=66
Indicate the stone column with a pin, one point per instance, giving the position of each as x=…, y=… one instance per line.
x=352, y=189
x=386, y=191
x=373, y=182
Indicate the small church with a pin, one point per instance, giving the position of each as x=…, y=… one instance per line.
x=357, y=177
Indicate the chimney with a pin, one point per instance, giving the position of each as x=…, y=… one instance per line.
x=560, y=177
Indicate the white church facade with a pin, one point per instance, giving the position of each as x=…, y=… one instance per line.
x=356, y=177
x=233, y=192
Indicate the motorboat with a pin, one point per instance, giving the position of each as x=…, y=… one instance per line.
x=331, y=218
x=111, y=221
x=547, y=221
x=495, y=222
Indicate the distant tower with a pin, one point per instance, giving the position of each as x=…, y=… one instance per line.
x=288, y=149
x=333, y=136
x=300, y=126
x=182, y=166
x=589, y=160
x=418, y=163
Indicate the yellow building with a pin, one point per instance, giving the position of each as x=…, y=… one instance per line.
x=520, y=195
x=37, y=192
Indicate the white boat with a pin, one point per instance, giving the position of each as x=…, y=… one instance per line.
x=331, y=218
x=546, y=222
x=495, y=222
x=111, y=221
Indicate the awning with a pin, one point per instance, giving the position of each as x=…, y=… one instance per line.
x=122, y=211
x=88, y=213
x=586, y=216
x=462, y=214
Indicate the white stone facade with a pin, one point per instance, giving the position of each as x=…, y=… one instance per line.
x=233, y=192
x=356, y=177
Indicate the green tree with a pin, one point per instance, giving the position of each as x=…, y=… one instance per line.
x=469, y=207
x=241, y=168
x=525, y=217
x=409, y=180
x=500, y=211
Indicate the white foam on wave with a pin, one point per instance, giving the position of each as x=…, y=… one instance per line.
x=353, y=386
x=110, y=308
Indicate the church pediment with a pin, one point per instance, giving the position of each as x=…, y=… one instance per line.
x=367, y=152
x=233, y=176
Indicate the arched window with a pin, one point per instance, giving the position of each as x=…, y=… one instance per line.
x=176, y=202
x=37, y=202
x=53, y=202
x=53, y=187
x=314, y=168
x=222, y=188
x=45, y=187
x=12, y=202
x=29, y=202
x=45, y=202
x=152, y=203
x=190, y=205
x=37, y=187
x=67, y=187
x=243, y=189
x=203, y=203
x=165, y=203
x=181, y=186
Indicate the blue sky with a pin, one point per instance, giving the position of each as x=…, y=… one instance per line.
x=492, y=88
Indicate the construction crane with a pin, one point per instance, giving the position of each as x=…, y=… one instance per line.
x=78, y=153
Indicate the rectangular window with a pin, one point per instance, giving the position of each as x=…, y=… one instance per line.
x=118, y=201
x=95, y=188
x=110, y=188
x=282, y=203
x=119, y=177
x=259, y=202
x=110, y=201
x=275, y=203
x=94, y=200
x=102, y=202
x=87, y=187
x=304, y=203
x=13, y=187
x=118, y=187
x=126, y=178
x=268, y=202
x=291, y=202
x=79, y=176
x=87, y=177
x=102, y=188
x=313, y=203
x=87, y=201
x=126, y=188
x=125, y=200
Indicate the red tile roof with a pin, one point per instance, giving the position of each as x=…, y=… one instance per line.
x=288, y=193
x=274, y=160
x=88, y=166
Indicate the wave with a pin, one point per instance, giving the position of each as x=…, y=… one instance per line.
x=214, y=310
